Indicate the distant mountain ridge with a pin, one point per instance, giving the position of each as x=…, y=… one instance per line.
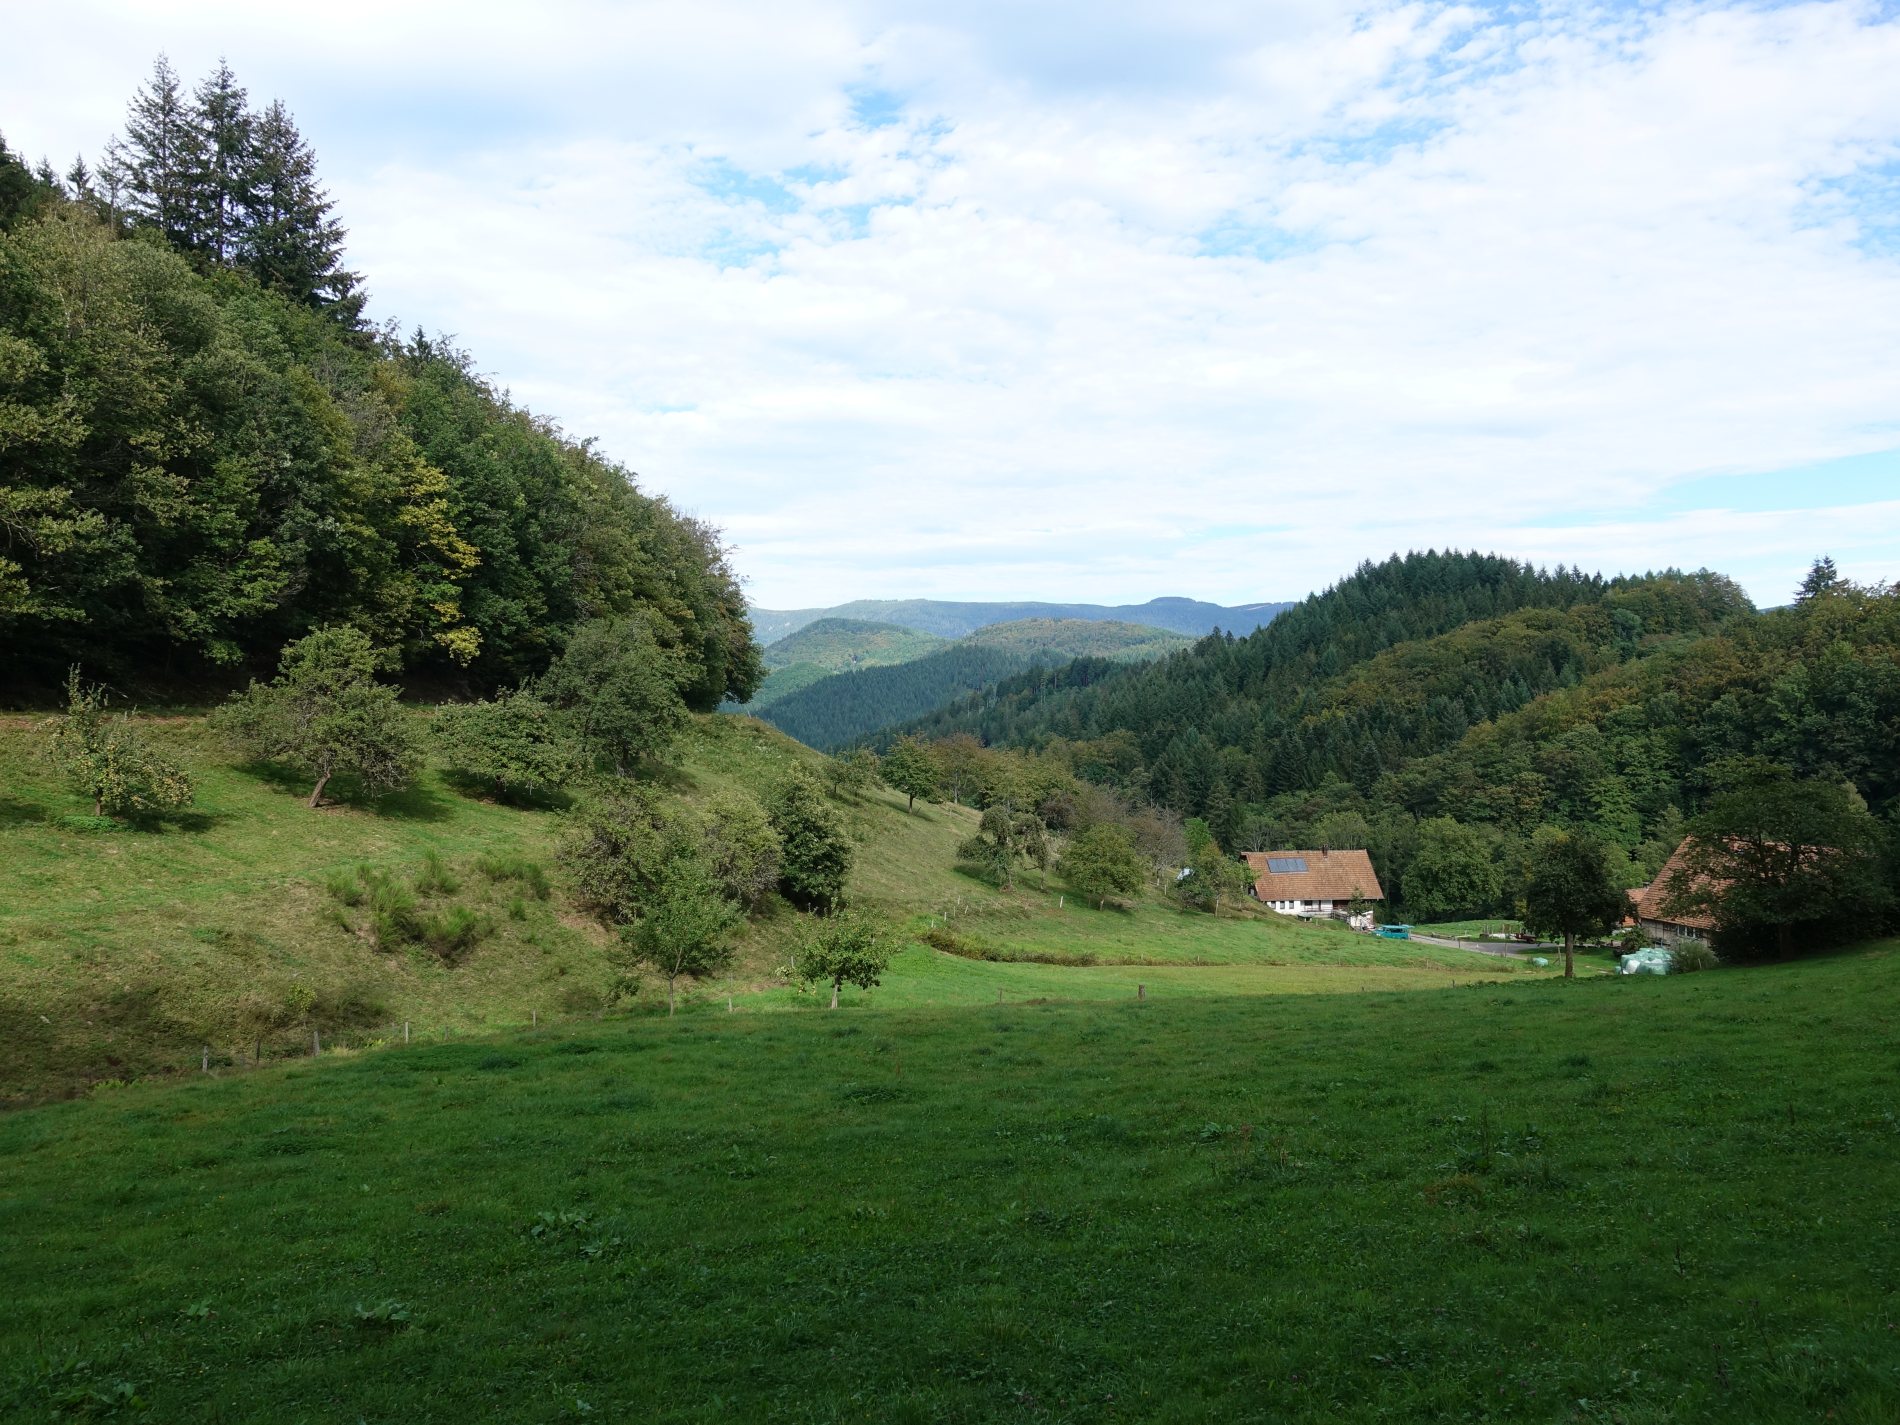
x=948, y=619
x=871, y=692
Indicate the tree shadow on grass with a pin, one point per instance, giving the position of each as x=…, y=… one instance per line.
x=18, y=813
x=416, y=802
x=277, y=776
x=479, y=789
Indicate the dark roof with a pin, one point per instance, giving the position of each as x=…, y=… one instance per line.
x=1326, y=876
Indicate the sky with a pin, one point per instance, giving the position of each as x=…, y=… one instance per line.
x=1103, y=301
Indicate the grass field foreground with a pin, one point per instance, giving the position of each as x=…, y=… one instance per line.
x=1635, y=1201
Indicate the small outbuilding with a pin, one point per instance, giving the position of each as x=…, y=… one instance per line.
x=1315, y=883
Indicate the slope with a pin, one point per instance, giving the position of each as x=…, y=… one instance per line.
x=1646, y=1201
x=833, y=711
x=953, y=620
x=831, y=645
x=129, y=951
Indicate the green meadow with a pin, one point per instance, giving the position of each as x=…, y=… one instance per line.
x=128, y=951
x=1615, y=1200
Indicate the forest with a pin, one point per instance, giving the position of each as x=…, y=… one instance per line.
x=208, y=454
x=1443, y=708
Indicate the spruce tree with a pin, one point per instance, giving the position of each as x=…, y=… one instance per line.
x=159, y=162
x=221, y=185
x=291, y=242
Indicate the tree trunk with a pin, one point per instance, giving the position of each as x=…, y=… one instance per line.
x=316, y=795
x=98, y=805
x=834, y=992
x=669, y=996
x=1570, y=963
x=913, y=803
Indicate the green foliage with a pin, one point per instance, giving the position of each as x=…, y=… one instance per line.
x=814, y=852
x=1688, y=956
x=849, y=775
x=1573, y=890
x=619, y=848
x=326, y=713
x=106, y=759
x=1102, y=863
x=1774, y=854
x=453, y=932
x=685, y=926
x=1005, y=837
x=909, y=768
x=740, y=846
x=435, y=878
x=1212, y=875
x=205, y=457
x=841, y=950
x=1452, y=872
x=835, y=644
x=620, y=690
x=514, y=742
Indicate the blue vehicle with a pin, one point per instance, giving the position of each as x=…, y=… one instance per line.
x=1393, y=932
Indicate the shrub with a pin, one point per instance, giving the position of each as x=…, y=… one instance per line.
x=107, y=759
x=1690, y=955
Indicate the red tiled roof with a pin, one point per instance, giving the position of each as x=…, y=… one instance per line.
x=1649, y=905
x=1329, y=876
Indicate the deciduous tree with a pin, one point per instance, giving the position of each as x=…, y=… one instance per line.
x=843, y=950
x=909, y=768
x=325, y=712
x=515, y=742
x=815, y=853
x=107, y=759
x=685, y=927
x=1574, y=889
x=1101, y=861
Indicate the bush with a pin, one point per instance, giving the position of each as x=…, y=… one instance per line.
x=1690, y=955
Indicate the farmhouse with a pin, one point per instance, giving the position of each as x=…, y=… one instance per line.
x=1314, y=882
x=1648, y=906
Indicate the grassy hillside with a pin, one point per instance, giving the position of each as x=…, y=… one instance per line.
x=832, y=645
x=838, y=643
x=124, y=952
x=1638, y=1201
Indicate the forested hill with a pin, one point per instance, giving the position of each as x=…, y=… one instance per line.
x=203, y=454
x=956, y=620
x=1479, y=691
x=850, y=705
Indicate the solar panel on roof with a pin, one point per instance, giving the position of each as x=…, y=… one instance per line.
x=1287, y=865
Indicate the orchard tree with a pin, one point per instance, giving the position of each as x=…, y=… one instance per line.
x=1101, y=861
x=909, y=768
x=685, y=928
x=741, y=847
x=1773, y=853
x=1573, y=890
x=851, y=774
x=516, y=743
x=106, y=758
x=325, y=712
x=621, y=691
x=1004, y=837
x=814, y=852
x=843, y=950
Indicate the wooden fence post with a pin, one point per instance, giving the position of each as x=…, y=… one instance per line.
x=1141, y=990
x=534, y=1020
x=207, y=1059
x=316, y=1041
x=405, y=1031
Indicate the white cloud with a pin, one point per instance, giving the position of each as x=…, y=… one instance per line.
x=1124, y=300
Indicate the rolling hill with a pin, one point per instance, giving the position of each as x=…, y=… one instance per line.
x=955, y=620
x=833, y=645
x=838, y=709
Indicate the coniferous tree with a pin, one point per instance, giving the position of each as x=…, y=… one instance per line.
x=227, y=161
x=159, y=161
x=292, y=242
